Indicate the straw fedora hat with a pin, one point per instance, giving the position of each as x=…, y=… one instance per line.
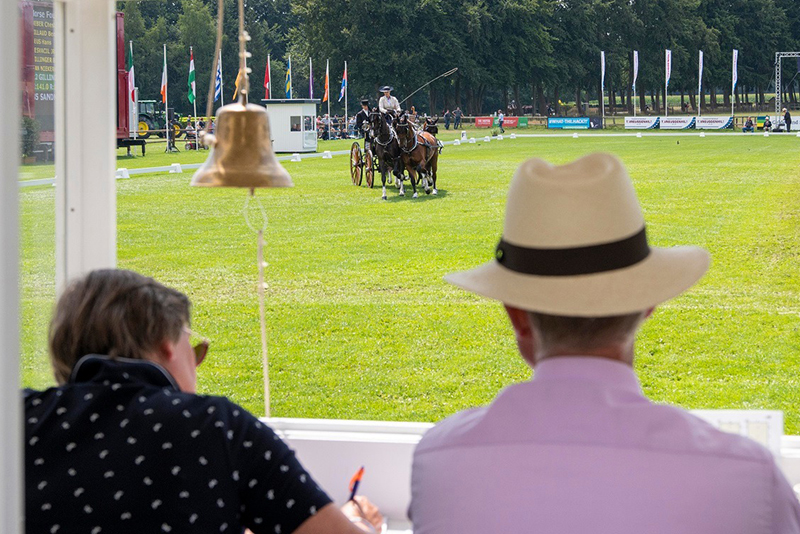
x=574, y=244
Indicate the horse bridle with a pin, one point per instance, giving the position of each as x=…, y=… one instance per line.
x=416, y=141
x=377, y=138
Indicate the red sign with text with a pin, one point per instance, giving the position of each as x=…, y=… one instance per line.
x=483, y=122
x=511, y=122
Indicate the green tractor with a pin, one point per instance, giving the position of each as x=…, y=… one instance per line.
x=151, y=119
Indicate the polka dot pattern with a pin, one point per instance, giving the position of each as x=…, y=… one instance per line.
x=119, y=445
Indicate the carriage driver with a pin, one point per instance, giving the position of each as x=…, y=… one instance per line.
x=388, y=104
x=362, y=123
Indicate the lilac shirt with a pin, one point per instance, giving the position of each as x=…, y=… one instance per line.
x=580, y=449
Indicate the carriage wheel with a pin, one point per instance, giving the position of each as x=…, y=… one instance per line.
x=356, y=164
x=369, y=168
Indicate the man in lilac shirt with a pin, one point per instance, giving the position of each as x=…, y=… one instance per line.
x=579, y=448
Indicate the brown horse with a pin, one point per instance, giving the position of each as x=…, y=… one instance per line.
x=420, y=153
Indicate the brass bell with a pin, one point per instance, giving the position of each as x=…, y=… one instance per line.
x=241, y=151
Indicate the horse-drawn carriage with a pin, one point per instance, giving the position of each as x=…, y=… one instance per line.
x=398, y=146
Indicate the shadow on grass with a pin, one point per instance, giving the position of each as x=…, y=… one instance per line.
x=421, y=198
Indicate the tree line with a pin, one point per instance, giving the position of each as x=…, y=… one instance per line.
x=534, y=53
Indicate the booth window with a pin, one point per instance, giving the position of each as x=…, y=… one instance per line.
x=309, y=124
x=295, y=123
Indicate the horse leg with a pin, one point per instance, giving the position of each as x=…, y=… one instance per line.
x=397, y=174
x=434, y=163
x=383, y=179
x=412, y=176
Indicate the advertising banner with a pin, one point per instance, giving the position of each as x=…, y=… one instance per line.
x=676, y=123
x=510, y=122
x=523, y=122
x=595, y=123
x=483, y=122
x=713, y=123
x=569, y=123
x=641, y=123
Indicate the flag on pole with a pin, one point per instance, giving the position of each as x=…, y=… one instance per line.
x=635, y=68
x=164, y=78
x=218, y=79
x=602, y=69
x=131, y=82
x=310, y=79
x=289, y=79
x=344, y=83
x=700, y=76
x=735, y=74
x=327, y=82
x=668, y=66
x=266, y=80
x=191, y=84
x=236, y=83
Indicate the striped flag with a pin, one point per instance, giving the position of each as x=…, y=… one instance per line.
x=700, y=75
x=327, y=82
x=635, y=68
x=267, y=87
x=236, y=83
x=602, y=69
x=218, y=80
x=131, y=82
x=191, y=84
x=668, y=57
x=289, y=79
x=164, y=78
x=735, y=73
x=344, y=83
x=310, y=79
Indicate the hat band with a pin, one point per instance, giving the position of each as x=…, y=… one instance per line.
x=574, y=261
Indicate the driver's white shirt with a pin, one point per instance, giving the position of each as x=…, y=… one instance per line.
x=386, y=104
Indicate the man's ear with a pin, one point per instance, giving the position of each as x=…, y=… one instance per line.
x=525, y=337
x=165, y=351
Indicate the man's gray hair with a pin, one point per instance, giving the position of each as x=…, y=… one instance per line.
x=576, y=333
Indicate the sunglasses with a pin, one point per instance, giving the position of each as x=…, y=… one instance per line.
x=199, y=343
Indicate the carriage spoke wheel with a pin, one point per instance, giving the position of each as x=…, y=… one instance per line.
x=356, y=164
x=369, y=168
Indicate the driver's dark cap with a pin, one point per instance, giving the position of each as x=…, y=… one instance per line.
x=365, y=102
x=386, y=88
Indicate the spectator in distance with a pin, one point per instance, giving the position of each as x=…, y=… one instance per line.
x=748, y=125
x=787, y=119
x=579, y=448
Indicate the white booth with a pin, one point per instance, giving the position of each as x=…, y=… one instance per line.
x=293, y=123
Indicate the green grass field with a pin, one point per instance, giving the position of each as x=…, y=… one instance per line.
x=362, y=325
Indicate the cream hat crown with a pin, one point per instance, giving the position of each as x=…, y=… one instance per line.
x=574, y=243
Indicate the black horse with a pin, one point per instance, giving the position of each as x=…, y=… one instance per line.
x=384, y=143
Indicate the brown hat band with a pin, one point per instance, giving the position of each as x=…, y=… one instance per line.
x=574, y=261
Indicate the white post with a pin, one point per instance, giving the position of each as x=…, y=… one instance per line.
x=328, y=89
x=86, y=195
x=11, y=454
x=602, y=88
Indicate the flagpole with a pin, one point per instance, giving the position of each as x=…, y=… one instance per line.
x=269, y=85
x=328, y=91
x=194, y=106
x=345, y=99
x=310, y=79
x=666, y=81
x=635, y=75
x=166, y=101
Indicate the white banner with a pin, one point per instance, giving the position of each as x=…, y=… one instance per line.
x=676, y=123
x=713, y=123
x=735, y=74
x=700, y=76
x=641, y=123
x=668, y=66
x=635, y=68
x=602, y=69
